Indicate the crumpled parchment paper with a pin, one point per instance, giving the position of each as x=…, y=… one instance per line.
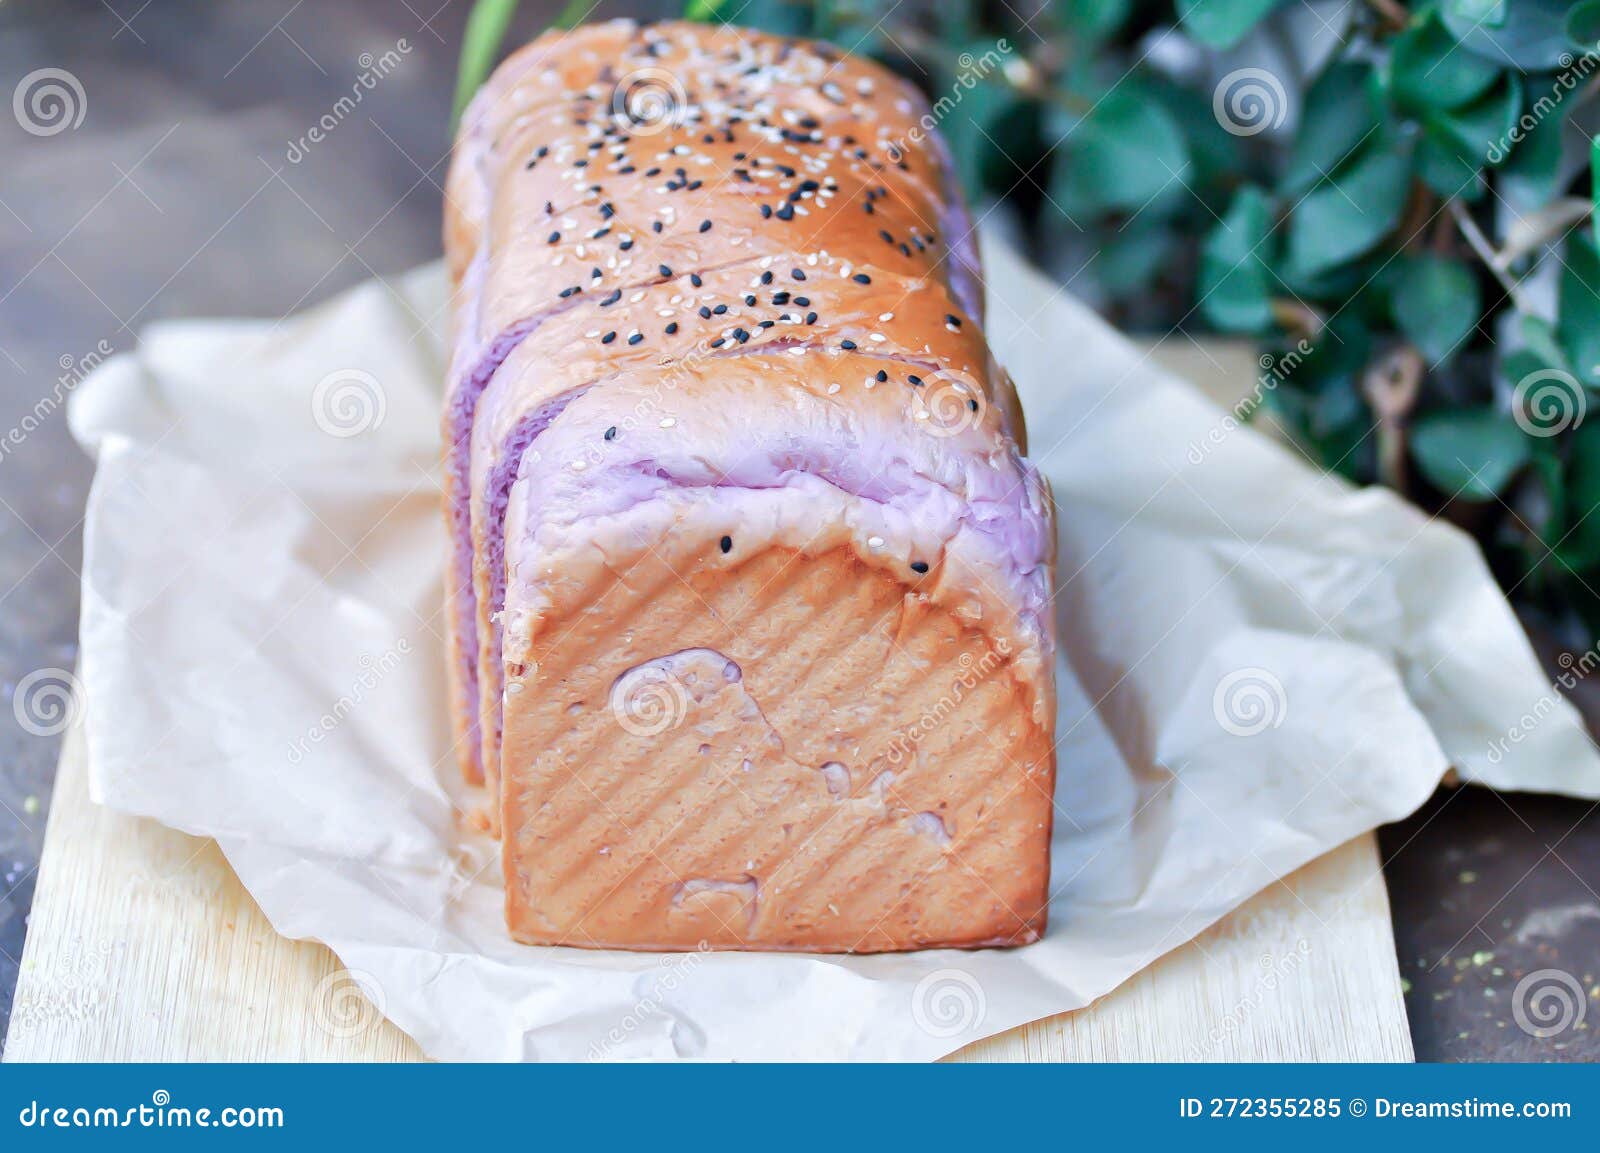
x=1258, y=663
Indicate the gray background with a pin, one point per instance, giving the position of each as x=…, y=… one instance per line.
x=174, y=197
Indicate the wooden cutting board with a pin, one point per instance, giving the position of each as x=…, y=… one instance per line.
x=143, y=946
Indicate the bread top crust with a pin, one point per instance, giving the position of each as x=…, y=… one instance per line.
x=594, y=158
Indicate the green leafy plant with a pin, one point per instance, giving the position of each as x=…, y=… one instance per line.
x=1403, y=191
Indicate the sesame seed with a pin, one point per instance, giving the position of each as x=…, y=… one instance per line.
x=635, y=338
x=672, y=328
x=727, y=544
x=554, y=238
x=861, y=278
x=705, y=226
x=608, y=338
x=847, y=345
x=919, y=566
x=611, y=433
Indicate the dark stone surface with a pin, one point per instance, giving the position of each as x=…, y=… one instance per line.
x=176, y=197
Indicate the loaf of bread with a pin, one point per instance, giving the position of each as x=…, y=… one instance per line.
x=749, y=581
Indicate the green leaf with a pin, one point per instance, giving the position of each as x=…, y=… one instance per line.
x=1222, y=23
x=1539, y=337
x=703, y=10
x=1490, y=12
x=1578, y=325
x=1346, y=216
x=1580, y=528
x=1235, y=284
x=1437, y=303
x=1582, y=25
x=1428, y=69
x=1457, y=143
x=1469, y=454
x=1124, y=154
x=1594, y=182
x=1130, y=258
x=480, y=47
x=1530, y=36
x=1340, y=114
x=1528, y=176
x=1093, y=19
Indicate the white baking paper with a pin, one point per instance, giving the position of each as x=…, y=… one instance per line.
x=1257, y=663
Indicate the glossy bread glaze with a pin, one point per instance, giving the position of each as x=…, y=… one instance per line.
x=750, y=582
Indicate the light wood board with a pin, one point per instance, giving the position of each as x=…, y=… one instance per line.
x=143, y=946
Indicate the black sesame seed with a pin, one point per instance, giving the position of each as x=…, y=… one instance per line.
x=766, y=277
x=803, y=301
x=749, y=300
x=797, y=274
x=705, y=312
x=973, y=405
x=952, y=320
x=727, y=544
x=766, y=212
x=655, y=226
x=625, y=245
x=616, y=295
x=672, y=328
x=740, y=335
x=720, y=310
x=705, y=226
x=553, y=238
x=811, y=318
x=882, y=376
x=607, y=211
x=847, y=345
x=780, y=298
x=786, y=212
x=694, y=279
x=611, y=433
x=665, y=271
x=861, y=278
x=919, y=566
x=608, y=338
x=636, y=338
